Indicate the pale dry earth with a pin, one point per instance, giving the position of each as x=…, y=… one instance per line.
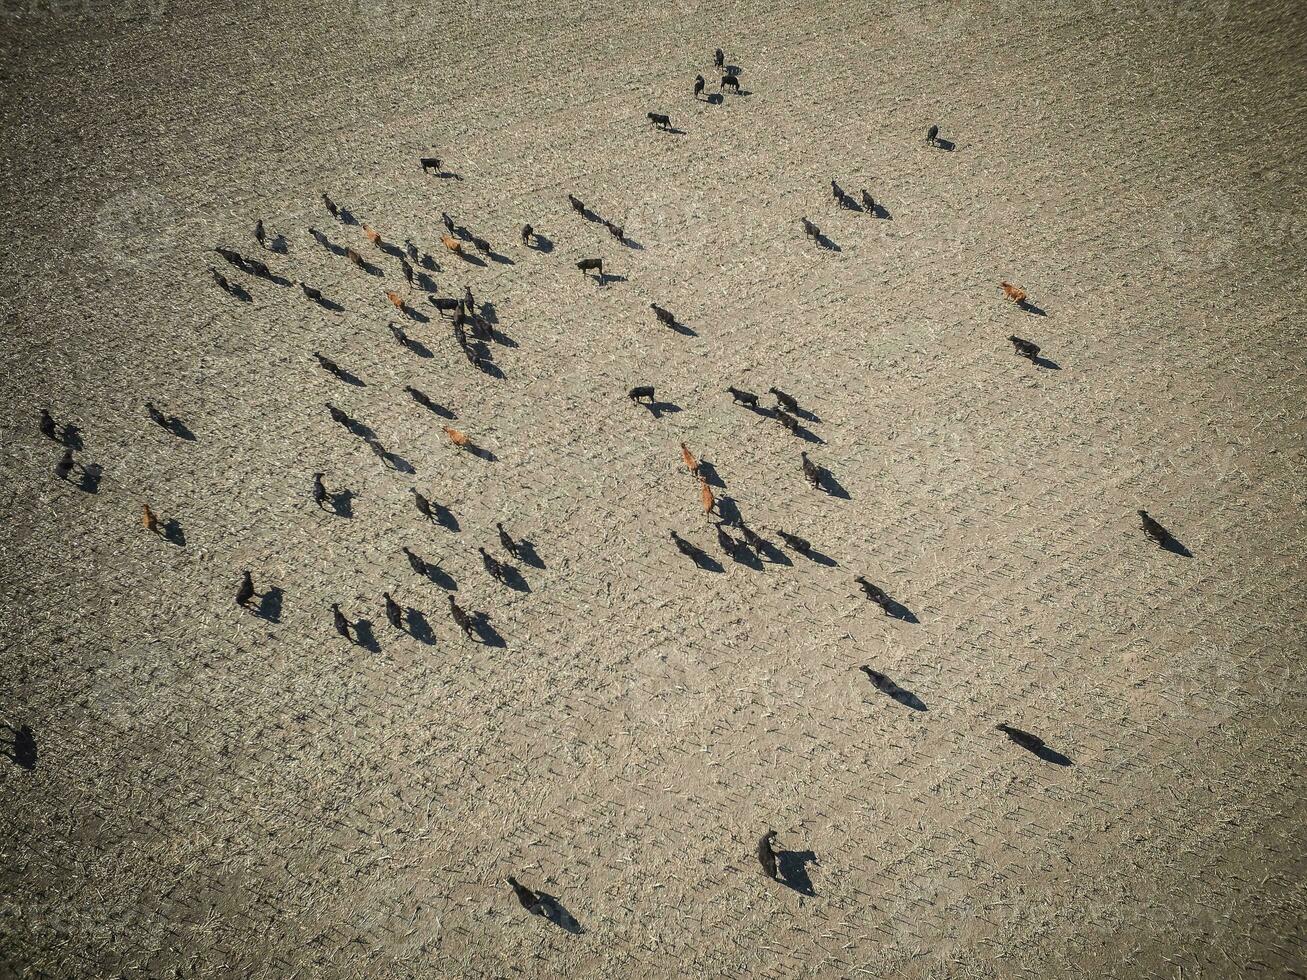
x=219, y=795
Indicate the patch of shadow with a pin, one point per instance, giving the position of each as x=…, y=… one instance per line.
x=1031, y=308
x=527, y=554
x=179, y=428
x=71, y=436
x=444, y=517
x=812, y=554
x=902, y=613
x=705, y=561
x=658, y=409
x=419, y=628
x=440, y=577
x=887, y=687
x=880, y=211
x=22, y=749
x=728, y=510
x=391, y=249
x=831, y=485
x=608, y=277
x=1175, y=547
x=715, y=98
x=499, y=258
x=391, y=461
x=329, y=304
x=349, y=378
x=365, y=636
x=89, y=482
x=514, y=579
x=549, y=907
x=1053, y=756
x=172, y=532
x=279, y=245
x=346, y=216
x=948, y=146
x=792, y=868
x=480, y=452
x=541, y=243
x=710, y=475
x=424, y=282
x=270, y=605
x=827, y=243
x=418, y=348
x=342, y=503
x=486, y=633
x=471, y=259
x=1044, y=362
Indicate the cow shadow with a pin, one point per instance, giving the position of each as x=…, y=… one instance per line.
x=897, y=693
x=541, y=243
x=486, y=633
x=729, y=511
x=435, y=408
x=659, y=408
x=705, y=561
x=418, y=348
x=947, y=146
x=346, y=217
x=391, y=461
x=608, y=277
x=1053, y=756
x=679, y=327
x=550, y=908
x=1175, y=547
x=327, y=304
x=279, y=245
x=1043, y=362
x=710, y=475
x=179, y=428
x=741, y=554
x=499, y=258
x=715, y=98
x=807, y=435
x=471, y=259
x=365, y=636
x=515, y=579
x=417, y=316
x=172, y=532
x=240, y=292
x=22, y=750
x=631, y=243
x=424, y=282
x=420, y=628
x=881, y=212
x=89, y=481
x=813, y=555
x=270, y=604
x=481, y=452
x=527, y=554
x=438, y=576
x=71, y=436
x=373, y=270
x=792, y=871
x=360, y=429
x=445, y=517
x=1031, y=308
x=773, y=555
x=341, y=503
x=896, y=610
x=350, y=378
x=827, y=482
x=488, y=367
x=827, y=243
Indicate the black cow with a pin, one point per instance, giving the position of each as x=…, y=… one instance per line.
x=1026, y=348
x=664, y=316
x=641, y=392
x=698, y=85
x=430, y=163
x=743, y=397
x=811, y=230
x=732, y=82
x=659, y=120
x=932, y=136
x=591, y=265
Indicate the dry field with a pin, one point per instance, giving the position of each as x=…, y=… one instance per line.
x=219, y=793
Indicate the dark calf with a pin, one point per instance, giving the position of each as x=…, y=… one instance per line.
x=664, y=316
x=641, y=392
x=743, y=397
x=1026, y=348
x=932, y=135
x=810, y=472
x=592, y=265
x=659, y=120
x=811, y=230
x=577, y=206
x=527, y=233
x=698, y=85
x=1024, y=739
x=788, y=421
x=1154, y=530
x=787, y=400
x=430, y=163
x=801, y=545
x=445, y=304
x=732, y=82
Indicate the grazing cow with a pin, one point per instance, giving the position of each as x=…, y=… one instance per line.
x=743, y=397
x=64, y=467
x=527, y=232
x=331, y=207
x=1024, y=739
x=319, y=489
x=719, y=59
x=260, y=235
x=48, y=427
x=1026, y=348
x=447, y=221
x=149, y=520
x=394, y=613
x=457, y=438
x=767, y=854
x=337, y=415
x=453, y=244
x=878, y=680
x=801, y=545
x=256, y=268
x=430, y=163
x=400, y=336
x=339, y=621
x=810, y=471
x=396, y=300
x=232, y=257
x=224, y=284
x=319, y=237
x=753, y=538
x=245, y=591
x=1155, y=530
x=836, y=191
x=372, y=236
x=311, y=293
x=787, y=400
x=505, y=540
x=492, y=565
x=811, y=230
x=874, y=592
x=463, y=620
x=407, y=270
x=528, y=899
x=1014, y=293
x=684, y=547
x=868, y=202
x=664, y=316
x=422, y=504
x=932, y=135
x=482, y=245
x=705, y=495
x=698, y=86
x=615, y=230
x=659, y=120
x=691, y=463
x=577, y=206
x=591, y=265
x=444, y=304
x=328, y=365
x=354, y=257
x=156, y=416
x=641, y=392
x=415, y=562
x=788, y=420
x=419, y=397
x=732, y=82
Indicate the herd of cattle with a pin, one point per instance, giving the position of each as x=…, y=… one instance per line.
x=471, y=330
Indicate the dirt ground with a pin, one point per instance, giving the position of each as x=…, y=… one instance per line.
x=220, y=792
